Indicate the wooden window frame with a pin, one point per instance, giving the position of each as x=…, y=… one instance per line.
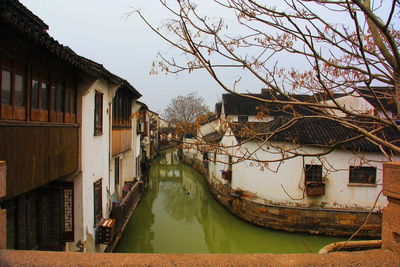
x=60, y=102
x=98, y=113
x=356, y=171
x=44, y=111
x=37, y=96
x=313, y=173
x=12, y=111
x=313, y=180
x=97, y=202
x=6, y=109
x=56, y=112
x=70, y=105
x=117, y=171
x=39, y=114
x=122, y=109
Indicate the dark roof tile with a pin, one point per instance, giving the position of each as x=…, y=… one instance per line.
x=317, y=132
x=241, y=105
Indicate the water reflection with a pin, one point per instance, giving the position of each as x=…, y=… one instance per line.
x=177, y=214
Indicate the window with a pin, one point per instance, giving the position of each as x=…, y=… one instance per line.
x=362, y=175
x=53, y=98
x=57, y=99
x=117, y=171
x=47, y=101
x=122, y=104
x=19, y=89
x=73, y=102
x=243, y=118
x=98, y=113
x=60, y=98
x=313, y=181
x=39, y=100
x=12, y=95
x=5, y=87
x=97, y=201
x=70, y=105
x=44, y=96
x=35, y=94
x=313, y=173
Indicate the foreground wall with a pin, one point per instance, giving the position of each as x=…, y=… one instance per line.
x=376, y=258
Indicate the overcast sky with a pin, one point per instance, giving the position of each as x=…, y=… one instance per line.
x=101, y=31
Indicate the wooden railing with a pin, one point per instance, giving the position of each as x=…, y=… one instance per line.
x=121, y=211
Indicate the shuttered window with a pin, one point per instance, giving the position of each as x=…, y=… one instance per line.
x=98, y=113
x=97, y=199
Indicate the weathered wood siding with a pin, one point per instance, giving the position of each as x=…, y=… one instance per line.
x=121, y=140
x=37, y=155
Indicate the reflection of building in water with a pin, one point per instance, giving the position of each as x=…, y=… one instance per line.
x=170, y=172
x=170, y=166
x=170, y=158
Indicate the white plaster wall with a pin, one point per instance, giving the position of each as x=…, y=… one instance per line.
x=268, y=183
x=190, y=150
x=222, y=158
x=94, y=161
x=208, y=128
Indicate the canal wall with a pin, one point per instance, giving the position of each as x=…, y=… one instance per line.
x=323, y=221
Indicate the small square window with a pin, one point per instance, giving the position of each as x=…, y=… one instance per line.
x=313, y=173
x=362, y=175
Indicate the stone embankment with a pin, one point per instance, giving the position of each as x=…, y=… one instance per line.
x=324, y=221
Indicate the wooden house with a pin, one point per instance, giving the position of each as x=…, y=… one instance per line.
x=62, y=118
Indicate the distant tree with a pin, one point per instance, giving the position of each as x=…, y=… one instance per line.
x=341, y=45
x=186, y=109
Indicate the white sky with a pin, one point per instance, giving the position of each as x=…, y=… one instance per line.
x=100, y=31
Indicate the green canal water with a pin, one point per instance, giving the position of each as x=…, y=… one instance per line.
x=177, y=214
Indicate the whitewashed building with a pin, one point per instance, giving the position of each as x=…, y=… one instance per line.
x=266, y=161
x=107, y=137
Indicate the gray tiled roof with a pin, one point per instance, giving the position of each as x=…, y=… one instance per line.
x=316, y=132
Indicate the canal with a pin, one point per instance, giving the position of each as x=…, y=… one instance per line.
x=177, y=214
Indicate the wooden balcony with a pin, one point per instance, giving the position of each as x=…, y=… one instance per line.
x=37, y=154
